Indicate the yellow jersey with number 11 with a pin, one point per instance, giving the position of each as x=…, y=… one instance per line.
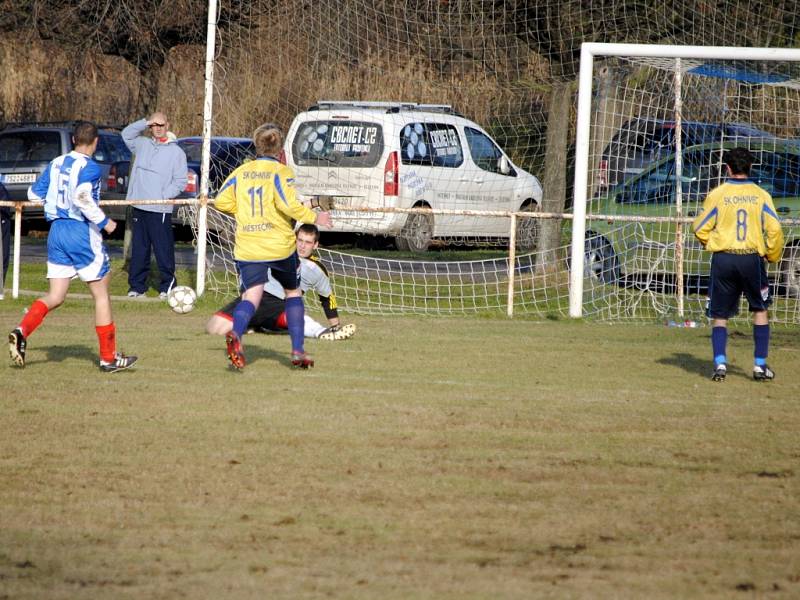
x=260, y=194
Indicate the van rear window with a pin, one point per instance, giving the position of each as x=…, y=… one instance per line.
x=338, y=144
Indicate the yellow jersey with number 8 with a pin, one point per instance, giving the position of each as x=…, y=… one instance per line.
x=739, y=217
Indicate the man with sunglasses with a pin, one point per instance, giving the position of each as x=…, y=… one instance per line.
x=158, y=172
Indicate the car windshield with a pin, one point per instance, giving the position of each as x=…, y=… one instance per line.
x=111, y=149
x=650, y=137
x=701, y=171
x=338, y=144
x=29, y=146
x=778, y=173
x=739, y=130
x=776, y=169
x=193, y=150
x=232, y=153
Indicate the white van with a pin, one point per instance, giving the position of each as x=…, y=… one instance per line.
x=393, y=154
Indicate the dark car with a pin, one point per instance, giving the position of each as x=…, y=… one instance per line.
x=227, y=153
x=614, y=250
x=640, y=142
x=26, y=150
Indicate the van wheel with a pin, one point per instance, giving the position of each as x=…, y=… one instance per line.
x=416, y=234
x=527, y=230
x=790, y=270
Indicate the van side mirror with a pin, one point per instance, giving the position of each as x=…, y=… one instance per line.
x=503, y=165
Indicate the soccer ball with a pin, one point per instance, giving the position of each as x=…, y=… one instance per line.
x=181, y=299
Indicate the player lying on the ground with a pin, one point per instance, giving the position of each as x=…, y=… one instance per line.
x=270, y=315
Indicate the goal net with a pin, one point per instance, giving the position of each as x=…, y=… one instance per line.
x=516, y=92
x=659, y=121
x=369, y=284
x=420, y=75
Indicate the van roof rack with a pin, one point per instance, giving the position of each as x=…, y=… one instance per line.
x=389, y=107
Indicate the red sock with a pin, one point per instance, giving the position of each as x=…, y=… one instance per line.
x=281, y=322
x=107, y=336
x=34, y=317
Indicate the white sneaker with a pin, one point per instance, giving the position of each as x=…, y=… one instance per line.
x=162, y=295
x=338, y=332
x=134, y=294
x=763, y=373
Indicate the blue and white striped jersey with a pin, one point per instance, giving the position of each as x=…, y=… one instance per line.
x=70, y=189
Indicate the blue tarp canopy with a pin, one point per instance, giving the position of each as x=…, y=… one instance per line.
x=739, y=73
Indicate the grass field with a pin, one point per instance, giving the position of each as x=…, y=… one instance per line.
x=423, y=458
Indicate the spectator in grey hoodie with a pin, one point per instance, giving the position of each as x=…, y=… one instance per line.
x=158, y=172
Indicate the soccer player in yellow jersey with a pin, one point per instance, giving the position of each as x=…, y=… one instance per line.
x=740, y=226
x=260, y=194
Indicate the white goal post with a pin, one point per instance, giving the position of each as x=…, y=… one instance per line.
x=208, y=99
x=645, y=53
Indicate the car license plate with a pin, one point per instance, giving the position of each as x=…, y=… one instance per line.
x=18, y=177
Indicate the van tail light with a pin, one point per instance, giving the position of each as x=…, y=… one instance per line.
x=602, y=176
x=282, y=157
x=391, y=177
x=191, y=182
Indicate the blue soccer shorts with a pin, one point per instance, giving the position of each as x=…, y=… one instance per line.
x=76, y=248
x=733, y=275
x=285, y=271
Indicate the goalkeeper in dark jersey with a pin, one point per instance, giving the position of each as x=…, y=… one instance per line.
x=740, y=226
x=270, y=315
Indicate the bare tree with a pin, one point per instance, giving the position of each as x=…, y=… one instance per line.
x=556, y=30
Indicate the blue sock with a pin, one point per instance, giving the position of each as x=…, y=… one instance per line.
x=719, y=339
x=242, y=314
x=761, y=339
x=295, y=313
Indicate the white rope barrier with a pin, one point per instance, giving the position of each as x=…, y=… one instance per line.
x=512, y=216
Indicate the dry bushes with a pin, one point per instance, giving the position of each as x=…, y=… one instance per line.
x=273, y=71
x=43, y=82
